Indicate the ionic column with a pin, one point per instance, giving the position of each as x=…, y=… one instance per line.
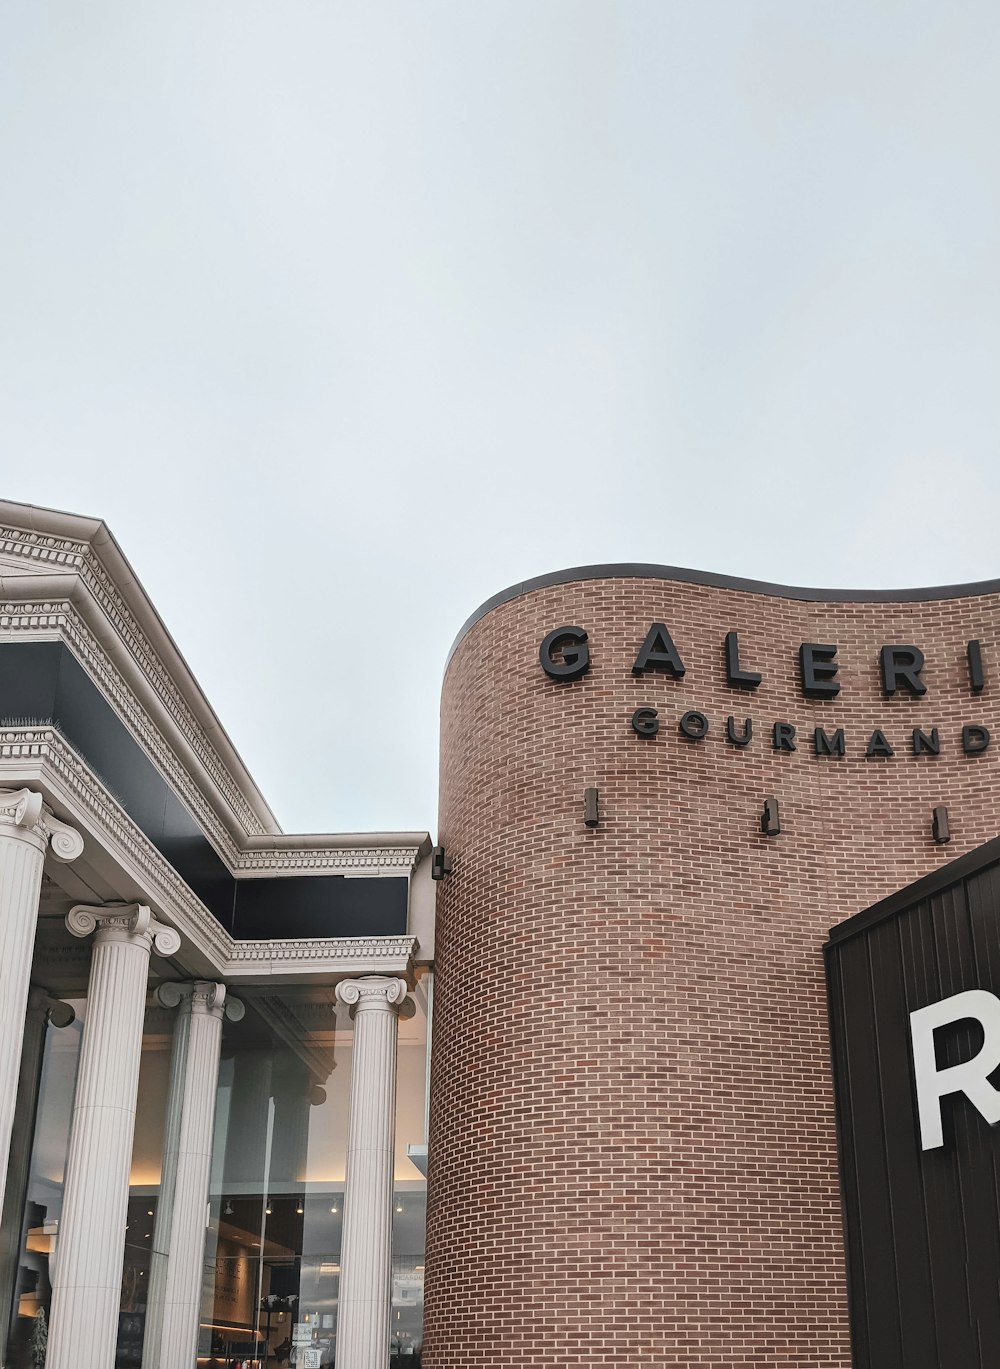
x=173, y=1303
x=366, y=1248
x=27, y=828
x=86, y=1286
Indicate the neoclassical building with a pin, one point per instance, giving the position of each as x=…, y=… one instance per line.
x=707, y=943
x=215, y=1034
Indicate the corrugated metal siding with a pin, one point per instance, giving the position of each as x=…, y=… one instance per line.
x=922, y=1227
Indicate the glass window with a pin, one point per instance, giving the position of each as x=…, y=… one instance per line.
x=43, y=1194
x=272, y=1266
x=31, y=1215
x=277, y=1188
x=409, y=1217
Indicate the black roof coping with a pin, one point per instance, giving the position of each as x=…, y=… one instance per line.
x=638, y=570
x=944, y=877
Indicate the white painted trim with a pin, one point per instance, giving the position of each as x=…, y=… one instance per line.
x=64, y=578
x=114, y=845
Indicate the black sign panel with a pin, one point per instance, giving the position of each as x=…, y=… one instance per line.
x=914, y=989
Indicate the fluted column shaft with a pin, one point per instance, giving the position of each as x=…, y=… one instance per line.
x=177, y=1320
x=366, y=1246
x=86, y=1285
x=26, y=828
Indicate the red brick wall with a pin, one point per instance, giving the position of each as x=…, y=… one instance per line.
x=633, y=1154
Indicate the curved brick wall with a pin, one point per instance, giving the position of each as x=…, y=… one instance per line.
x=633, y=1155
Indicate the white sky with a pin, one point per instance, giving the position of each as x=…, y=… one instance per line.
x=346, y=316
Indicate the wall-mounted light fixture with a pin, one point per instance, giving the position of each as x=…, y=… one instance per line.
x=440, y=863
x=940, y=826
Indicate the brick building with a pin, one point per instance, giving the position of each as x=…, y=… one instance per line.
x=633, y=1136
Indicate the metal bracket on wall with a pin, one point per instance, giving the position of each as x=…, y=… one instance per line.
x=591, y=816
x=940, y=825
x=770, y=823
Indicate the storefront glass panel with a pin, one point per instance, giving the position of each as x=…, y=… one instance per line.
x=277, y=1188
x=33, y=1203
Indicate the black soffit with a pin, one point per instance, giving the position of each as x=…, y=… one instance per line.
x=639, y=570
x=42, y=684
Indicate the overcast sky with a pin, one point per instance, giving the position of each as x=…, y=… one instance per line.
x=345, y=316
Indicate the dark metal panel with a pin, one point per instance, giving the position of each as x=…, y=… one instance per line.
x=319, y=906
x=90, y=725
x=29, y=673
x=44, y=683
x=922, y=1227
x=911, y=1342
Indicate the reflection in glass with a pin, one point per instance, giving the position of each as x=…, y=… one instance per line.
x=42, y=1210
x=37, y=1223
x=272, y=1266
x=277, y=1188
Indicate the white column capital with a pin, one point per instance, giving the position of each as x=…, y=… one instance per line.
x=203, y=997
x=132, y=923
x=374, y=993
x=25, y=815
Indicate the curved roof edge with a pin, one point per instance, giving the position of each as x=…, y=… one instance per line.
x=638, y=570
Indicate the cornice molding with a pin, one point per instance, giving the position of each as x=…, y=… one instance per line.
x=61, y=620
x=46, y=750
x=258, y=854
x=338, y=953
x=27, y=610
x=42, y=756
x=365, y=860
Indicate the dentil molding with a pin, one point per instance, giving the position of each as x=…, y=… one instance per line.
x=60, y=768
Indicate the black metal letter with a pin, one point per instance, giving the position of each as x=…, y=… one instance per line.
x=694, y=725
x=569, y=643
x=976, y=677
x=902, y=665
x=645, y=722
x=829, y=746
x=739, y=739
x=878, y=746
x=975, y=739
x=739, y=679
x=817, y=667
x=658, y=653
x=924, y=745
x=783, y=737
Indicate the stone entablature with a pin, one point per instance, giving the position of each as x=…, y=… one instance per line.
x=65, y=579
